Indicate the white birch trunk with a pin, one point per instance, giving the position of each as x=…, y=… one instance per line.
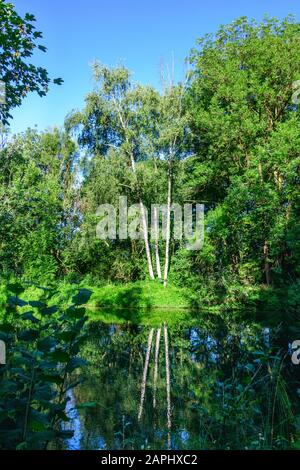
x=144, y=379
x=144, y=222
x=168, y=385
x=156, y=241
x=145, y=229
x=168, y=232
x=156, y=366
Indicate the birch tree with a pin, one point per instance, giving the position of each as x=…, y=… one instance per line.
x=173, y=126
x=119, y=116
x=142, y=125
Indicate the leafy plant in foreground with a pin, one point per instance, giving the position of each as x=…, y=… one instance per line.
x=42, y=345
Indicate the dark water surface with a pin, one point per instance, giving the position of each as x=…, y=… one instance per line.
x=210, y=387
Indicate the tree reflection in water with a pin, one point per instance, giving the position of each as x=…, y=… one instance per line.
x=228, y=389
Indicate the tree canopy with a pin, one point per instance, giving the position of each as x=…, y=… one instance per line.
x=226, y=137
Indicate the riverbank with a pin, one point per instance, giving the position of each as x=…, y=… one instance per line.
x=145, y=302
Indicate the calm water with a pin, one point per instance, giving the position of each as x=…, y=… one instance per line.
x=210, y=387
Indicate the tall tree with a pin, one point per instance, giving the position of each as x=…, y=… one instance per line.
x=172, y=126
x=37, y=203
x=116, y=117
x=240, y=103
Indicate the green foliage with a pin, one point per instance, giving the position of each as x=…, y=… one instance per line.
x=19, y=39
x=245, y=136
x=143, y=302
x=42, y=345
x=36, y=203
x=229, y=139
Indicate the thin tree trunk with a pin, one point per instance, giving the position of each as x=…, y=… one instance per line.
x=156, y=366
x=168, y=234
x=145, y=228
x=267, y=264
x=144, y=380
x=157, y=258
x=278, y=179
x=168, y=385
x=144, y=222
x=146, y=240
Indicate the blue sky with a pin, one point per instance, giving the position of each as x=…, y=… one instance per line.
x=139, y=34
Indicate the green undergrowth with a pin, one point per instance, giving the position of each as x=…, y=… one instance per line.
x=145, y=302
